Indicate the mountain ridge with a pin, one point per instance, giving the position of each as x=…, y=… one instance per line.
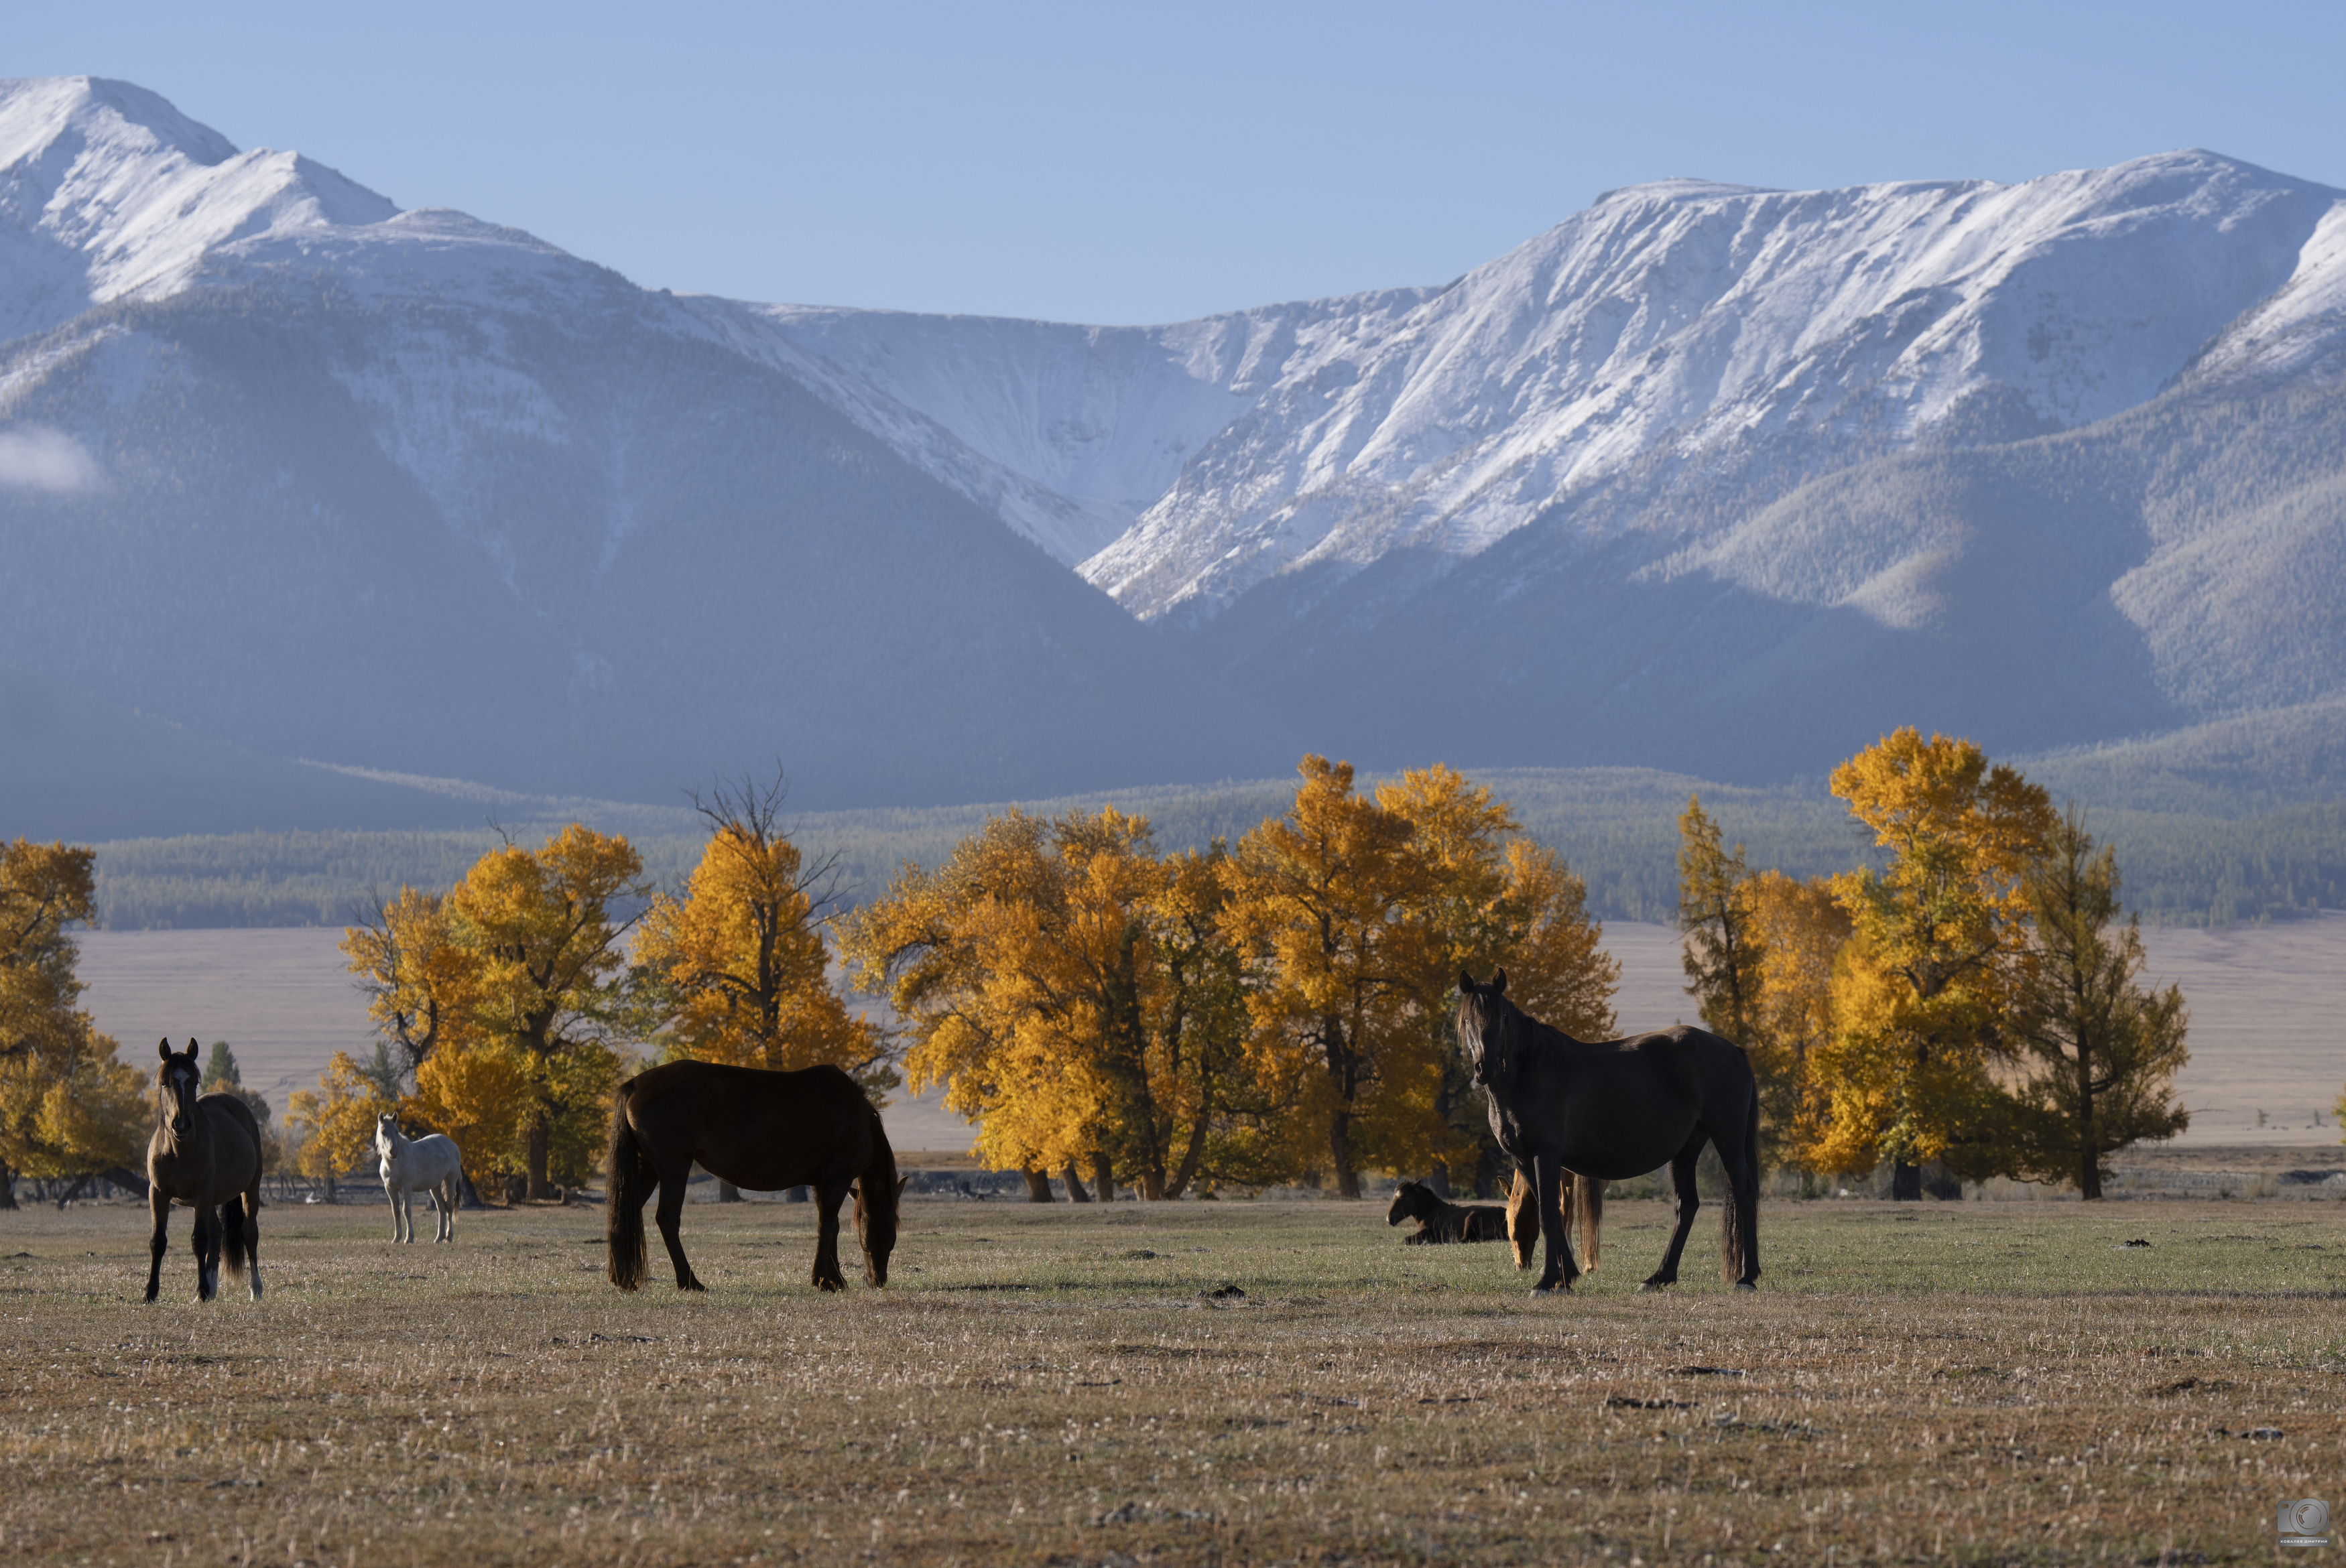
x=1720, y=479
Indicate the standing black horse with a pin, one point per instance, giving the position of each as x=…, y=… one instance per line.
x=206, y=1152
x=756, y=1129
x=1613, y=1110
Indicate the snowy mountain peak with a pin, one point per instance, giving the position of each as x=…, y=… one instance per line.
x=106, y=192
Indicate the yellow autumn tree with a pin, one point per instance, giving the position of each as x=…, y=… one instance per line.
x=547, y=984
x=739, y=966
x=1328, y=902
x=509, y=1000
x=1491, y=900
x=1798, y=928
x=338, y=1118
x=70, y=1106
x=1723, y=952
x=1919, y=998
x=1069, y=991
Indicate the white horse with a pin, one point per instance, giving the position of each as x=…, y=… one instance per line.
x=430, y=1162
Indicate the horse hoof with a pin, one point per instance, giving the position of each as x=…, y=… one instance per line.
x=1652, y=1287
x=1746, y=1285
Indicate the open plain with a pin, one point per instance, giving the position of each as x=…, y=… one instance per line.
x=1241, y=1382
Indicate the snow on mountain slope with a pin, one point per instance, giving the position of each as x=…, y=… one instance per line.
x=108, y=192
x=1066, y=433
x=1696, y=319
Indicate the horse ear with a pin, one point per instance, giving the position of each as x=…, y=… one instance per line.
x=193, y=1049
x=1465, y=980
x=901, y=1181
x=1499, y=983
x=163, y=1048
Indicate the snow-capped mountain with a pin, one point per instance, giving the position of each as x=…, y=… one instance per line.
x=1705, y=476
x=1682, y=323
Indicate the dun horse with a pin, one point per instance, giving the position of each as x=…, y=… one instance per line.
x=1618, y=1109
x=430, y=1162
x=757, y=1130
x=206, y=1153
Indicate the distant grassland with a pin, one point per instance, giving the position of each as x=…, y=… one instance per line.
x=2216, y=826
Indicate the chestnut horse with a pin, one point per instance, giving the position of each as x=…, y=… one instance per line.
x=206, y=1152
x=760, y=1130
x=1613, y=1110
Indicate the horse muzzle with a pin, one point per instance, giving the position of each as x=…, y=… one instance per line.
x=179, y=1126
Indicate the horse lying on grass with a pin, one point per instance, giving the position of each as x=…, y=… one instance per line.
x=1518, y=1223
x=430, y=1162
x=206, y=1153
x=1440, y=1221
x=760, y=1130
x=1613, y=1110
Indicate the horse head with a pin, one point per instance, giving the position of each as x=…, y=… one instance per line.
x=875, y=1222
x=178, y=1082
x=386, y=1132
x=1485, y=1035
x=1409, y=1203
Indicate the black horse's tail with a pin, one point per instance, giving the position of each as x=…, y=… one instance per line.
x=1738, y=1221
x=625, y=1188
x=232, y=1223
x=1588, y=1217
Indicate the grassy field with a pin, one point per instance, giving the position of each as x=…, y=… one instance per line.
x=1962, y=1382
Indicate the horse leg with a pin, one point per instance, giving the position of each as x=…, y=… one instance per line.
x=391, y=1196
x=1682, y=1166
x=158, y=1203
x=444, y=1198
x=670, y=1214
x=1548, y=1176
x=828, y=1196
x=207, y=1243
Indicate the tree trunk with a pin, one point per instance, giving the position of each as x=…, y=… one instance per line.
x=1075, y=1192
x=1104, y=1178
x=120, y=1175
x=727, y=1192
x=541, y=1138
x=467, y=1194
x=1905, y=1182
x=1437, y=1180
x=2089, y=1176
x=7, y=1186
x=1038, y=1185
x=73, y=1191
x=1348, y=1180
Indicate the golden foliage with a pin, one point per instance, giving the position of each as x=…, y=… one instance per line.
x=337, y=1118
x=1928, y=970
x=68, y=1104
x=510, y=998
x=742, y=968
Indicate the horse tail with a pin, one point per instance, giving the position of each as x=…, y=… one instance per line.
x=625, y=1189
x=232, y=1223
x=1589, y=1216
x=1739, y=1220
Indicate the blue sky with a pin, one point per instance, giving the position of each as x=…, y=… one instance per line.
x=1126, y=163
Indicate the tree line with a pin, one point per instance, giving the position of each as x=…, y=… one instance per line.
x=1272, y=1009
x=1971, y=1007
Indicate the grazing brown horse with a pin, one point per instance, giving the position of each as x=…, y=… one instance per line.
x=758, y=1130
x=1582, y=1203
x=1613, y=1110
x=1440, y=1221
x=206, y=1153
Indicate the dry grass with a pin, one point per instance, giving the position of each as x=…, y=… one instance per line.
x=1967, y=1381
